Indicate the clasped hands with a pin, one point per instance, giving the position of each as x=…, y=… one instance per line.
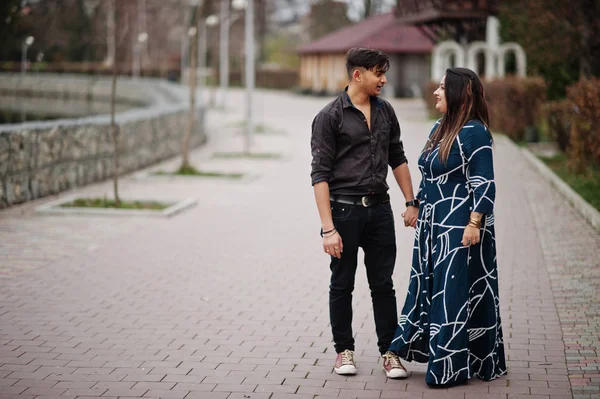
x=333, y=245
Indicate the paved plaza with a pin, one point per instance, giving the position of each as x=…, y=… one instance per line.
x=228, y=300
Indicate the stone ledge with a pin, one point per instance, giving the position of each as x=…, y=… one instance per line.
x=588, y=212
x=53, y=208
x=47, y=157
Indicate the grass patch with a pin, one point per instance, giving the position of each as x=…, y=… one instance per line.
x=191, y=171
x=251, y=155
x=109, y=203
x=522, y=143
x=259, y=128
x=587, y=184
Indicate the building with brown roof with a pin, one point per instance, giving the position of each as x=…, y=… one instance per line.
x=323, y=66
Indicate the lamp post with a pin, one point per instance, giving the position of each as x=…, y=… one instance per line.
x=224, y=53
x=137, y=47
x=211, y=20
x=26, y=44
x=227, y=21
x=250, y=72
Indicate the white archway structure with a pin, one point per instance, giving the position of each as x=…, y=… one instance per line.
x=495, y=54
x=491, y=58
x=520, y=58
x=441, y=58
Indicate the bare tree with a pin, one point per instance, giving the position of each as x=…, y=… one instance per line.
x=185, y=148
x=364, y=9
x=114, y=128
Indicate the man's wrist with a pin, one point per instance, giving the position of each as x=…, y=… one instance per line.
x=328, y=232
x=327, y=226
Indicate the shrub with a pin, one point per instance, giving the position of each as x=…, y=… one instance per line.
x=514, y=103
x=584, y=145
x=558, y=116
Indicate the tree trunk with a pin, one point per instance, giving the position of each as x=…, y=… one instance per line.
x=368, y=9
x=185, y=148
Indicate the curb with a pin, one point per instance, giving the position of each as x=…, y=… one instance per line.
x=53, y=208
x=589, y=213
x=150, y=176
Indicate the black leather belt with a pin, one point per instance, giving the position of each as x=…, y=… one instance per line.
x=366, y=201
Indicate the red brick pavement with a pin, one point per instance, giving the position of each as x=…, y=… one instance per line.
x=229, y=299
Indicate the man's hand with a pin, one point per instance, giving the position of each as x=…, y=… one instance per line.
x=333, y=246
x=410, y=216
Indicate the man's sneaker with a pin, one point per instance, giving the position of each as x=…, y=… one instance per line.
x=344, y=363
x=393, y=366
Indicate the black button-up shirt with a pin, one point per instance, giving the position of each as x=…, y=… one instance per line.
x=345, y=153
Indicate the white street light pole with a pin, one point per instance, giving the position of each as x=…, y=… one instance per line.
x=202, y=47
x=184, y=39
x=210, y=21
x=227, y=20
x=26, y=44
x=137, y=47
x=250, y=73
x=224, y=53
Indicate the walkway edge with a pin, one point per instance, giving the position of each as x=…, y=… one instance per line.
x=589, y=213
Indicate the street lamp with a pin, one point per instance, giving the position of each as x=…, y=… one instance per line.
x=188, y=6
x=211, y=20
x=239, y=4
x=137, y=46
x=226, y=22
x=26, y=44
x=250, y=72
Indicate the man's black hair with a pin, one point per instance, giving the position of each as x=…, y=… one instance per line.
x=366, y=58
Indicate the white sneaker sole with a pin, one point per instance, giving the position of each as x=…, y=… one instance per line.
x=345, y=370
x=396, y=373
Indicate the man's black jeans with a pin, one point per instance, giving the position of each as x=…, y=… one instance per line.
x=371, y=229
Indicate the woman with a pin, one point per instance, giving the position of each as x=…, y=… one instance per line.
x=451, y=316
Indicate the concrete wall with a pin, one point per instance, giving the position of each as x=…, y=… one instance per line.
x=43, y=158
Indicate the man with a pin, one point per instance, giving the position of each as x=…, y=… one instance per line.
x=354, y=139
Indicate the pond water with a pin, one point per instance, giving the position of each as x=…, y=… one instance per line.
x=9, y=117
x=14, y=109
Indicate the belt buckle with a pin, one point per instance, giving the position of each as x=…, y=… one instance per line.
x=364, y=201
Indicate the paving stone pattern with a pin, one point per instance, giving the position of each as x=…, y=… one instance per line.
x=229, y=299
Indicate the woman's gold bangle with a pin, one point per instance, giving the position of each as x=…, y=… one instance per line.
x=475, y=223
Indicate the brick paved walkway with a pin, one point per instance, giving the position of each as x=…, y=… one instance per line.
x=229, y=299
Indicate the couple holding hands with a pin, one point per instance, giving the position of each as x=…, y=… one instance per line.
x=451, y=317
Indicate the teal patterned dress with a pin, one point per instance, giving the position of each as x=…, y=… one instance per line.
x=451, y=316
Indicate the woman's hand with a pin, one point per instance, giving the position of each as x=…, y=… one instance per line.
x=332, y=245
x=410, y=216
x=471, y=236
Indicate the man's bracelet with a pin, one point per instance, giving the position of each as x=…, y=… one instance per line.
x=327, y=232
